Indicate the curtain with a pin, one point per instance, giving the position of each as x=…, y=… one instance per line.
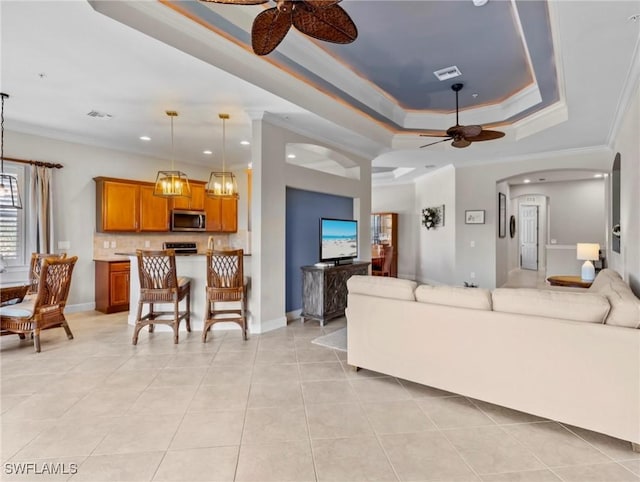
x=41, y=210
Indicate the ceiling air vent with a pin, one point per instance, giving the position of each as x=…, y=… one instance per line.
x=99, y=115
x=447, y=73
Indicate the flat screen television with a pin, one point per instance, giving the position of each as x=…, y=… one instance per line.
x=338, y=240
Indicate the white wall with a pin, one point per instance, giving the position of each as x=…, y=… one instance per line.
x=627, y=262
x=400, y=199
x=475, y=188
x=74, y=194
x=271, y=175
x=436, y=258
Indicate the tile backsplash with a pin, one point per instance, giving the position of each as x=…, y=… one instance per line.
x=106, y=245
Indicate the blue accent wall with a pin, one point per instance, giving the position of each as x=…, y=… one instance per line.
x=304, y=210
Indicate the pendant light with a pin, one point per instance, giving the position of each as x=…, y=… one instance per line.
x=222, y=184
x=172, y=183
x=9, y=194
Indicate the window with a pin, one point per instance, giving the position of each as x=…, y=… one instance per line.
x=12, y=222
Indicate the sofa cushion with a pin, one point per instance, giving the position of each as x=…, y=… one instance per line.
x=589, y=307
x=474, y=298
x=401, y=289
x=625, y=307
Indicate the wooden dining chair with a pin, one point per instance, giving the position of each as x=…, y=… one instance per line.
x=35, y=267
x=225, y=284
x=45, y=309
x=159, y=283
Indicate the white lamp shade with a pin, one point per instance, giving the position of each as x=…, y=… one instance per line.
x=590, y=251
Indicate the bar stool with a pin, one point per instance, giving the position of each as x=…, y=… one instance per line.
x=159, y=283
x=225, y=284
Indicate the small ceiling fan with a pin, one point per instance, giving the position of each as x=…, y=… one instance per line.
x=463, y=136
x=320, y=19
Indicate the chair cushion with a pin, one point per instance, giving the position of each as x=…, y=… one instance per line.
x=589, y=307
x=401, y=289
x=24, y=309
x=474, y=298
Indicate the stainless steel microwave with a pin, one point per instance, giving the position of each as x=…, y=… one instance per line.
x=188, y=220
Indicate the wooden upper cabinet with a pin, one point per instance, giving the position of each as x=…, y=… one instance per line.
x=222, y=214
x=154, y=211
x=116, y=206
x=195, y=202
x=229, y=215
x=129, y=206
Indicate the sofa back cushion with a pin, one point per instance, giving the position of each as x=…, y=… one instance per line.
x=589, y=307
x=474, y=298
x=382, y=286
x=625, y=307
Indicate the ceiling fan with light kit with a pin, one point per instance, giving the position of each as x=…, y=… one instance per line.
x=464, y=136
x=320, y=19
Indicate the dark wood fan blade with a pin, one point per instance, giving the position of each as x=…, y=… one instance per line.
x=437, y=142
x=268, y=30
x=321, y=3
x=330, y=23
x=238, y=2
x=460, y=143
x=486, y=135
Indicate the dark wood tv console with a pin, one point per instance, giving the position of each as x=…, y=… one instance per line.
x=324, y=289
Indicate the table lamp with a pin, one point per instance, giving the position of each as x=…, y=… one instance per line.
x=588, y=252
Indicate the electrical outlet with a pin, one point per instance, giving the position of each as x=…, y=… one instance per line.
x=147, y=244
x=472, y=244
x=472, y=275
x=105, y=244
x=113, y=244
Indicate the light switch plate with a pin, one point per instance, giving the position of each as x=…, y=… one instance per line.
x=105, y=244
x=113, y=244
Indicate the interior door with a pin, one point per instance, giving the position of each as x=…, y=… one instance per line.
x=529, y=237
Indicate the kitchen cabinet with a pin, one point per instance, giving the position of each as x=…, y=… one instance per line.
x=196, y=201
x=222, y=214
x=129, y=206
x=112, y=286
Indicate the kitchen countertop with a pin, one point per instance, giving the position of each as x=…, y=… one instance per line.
x=114, y=258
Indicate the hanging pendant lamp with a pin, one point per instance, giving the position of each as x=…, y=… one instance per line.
x=9, y=194
x=222, y=184
x=172, y=183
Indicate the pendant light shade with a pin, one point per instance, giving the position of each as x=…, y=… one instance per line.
x=222, y=184
x=172, y=183
x=9, y=194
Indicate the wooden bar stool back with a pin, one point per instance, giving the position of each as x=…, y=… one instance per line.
x=159, y=283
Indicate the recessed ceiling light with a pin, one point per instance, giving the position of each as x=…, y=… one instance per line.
x=245, y=143
x=634, y=18
x=429, y=166
x=145, y=138
x=207, y=152
x=291, y=156
x=527, y=181
x=597, y=175
x=480, y=3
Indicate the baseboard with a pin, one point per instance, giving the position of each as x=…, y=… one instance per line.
x=294, y=315
x=269, y=325
x=80, y=307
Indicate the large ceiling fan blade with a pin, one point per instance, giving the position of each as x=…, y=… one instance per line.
x=437, y=142
x=329, y=23
x=322, y=3
x=268, y=30
x=238, y=2
x=486, y=135
x=436, y=135
x=460, y=143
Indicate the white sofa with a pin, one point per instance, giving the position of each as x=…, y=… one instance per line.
x=567, y=356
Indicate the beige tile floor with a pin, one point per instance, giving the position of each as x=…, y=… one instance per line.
x=274, y=408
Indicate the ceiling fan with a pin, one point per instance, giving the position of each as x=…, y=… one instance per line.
x=463, y=136
x=320, y=19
